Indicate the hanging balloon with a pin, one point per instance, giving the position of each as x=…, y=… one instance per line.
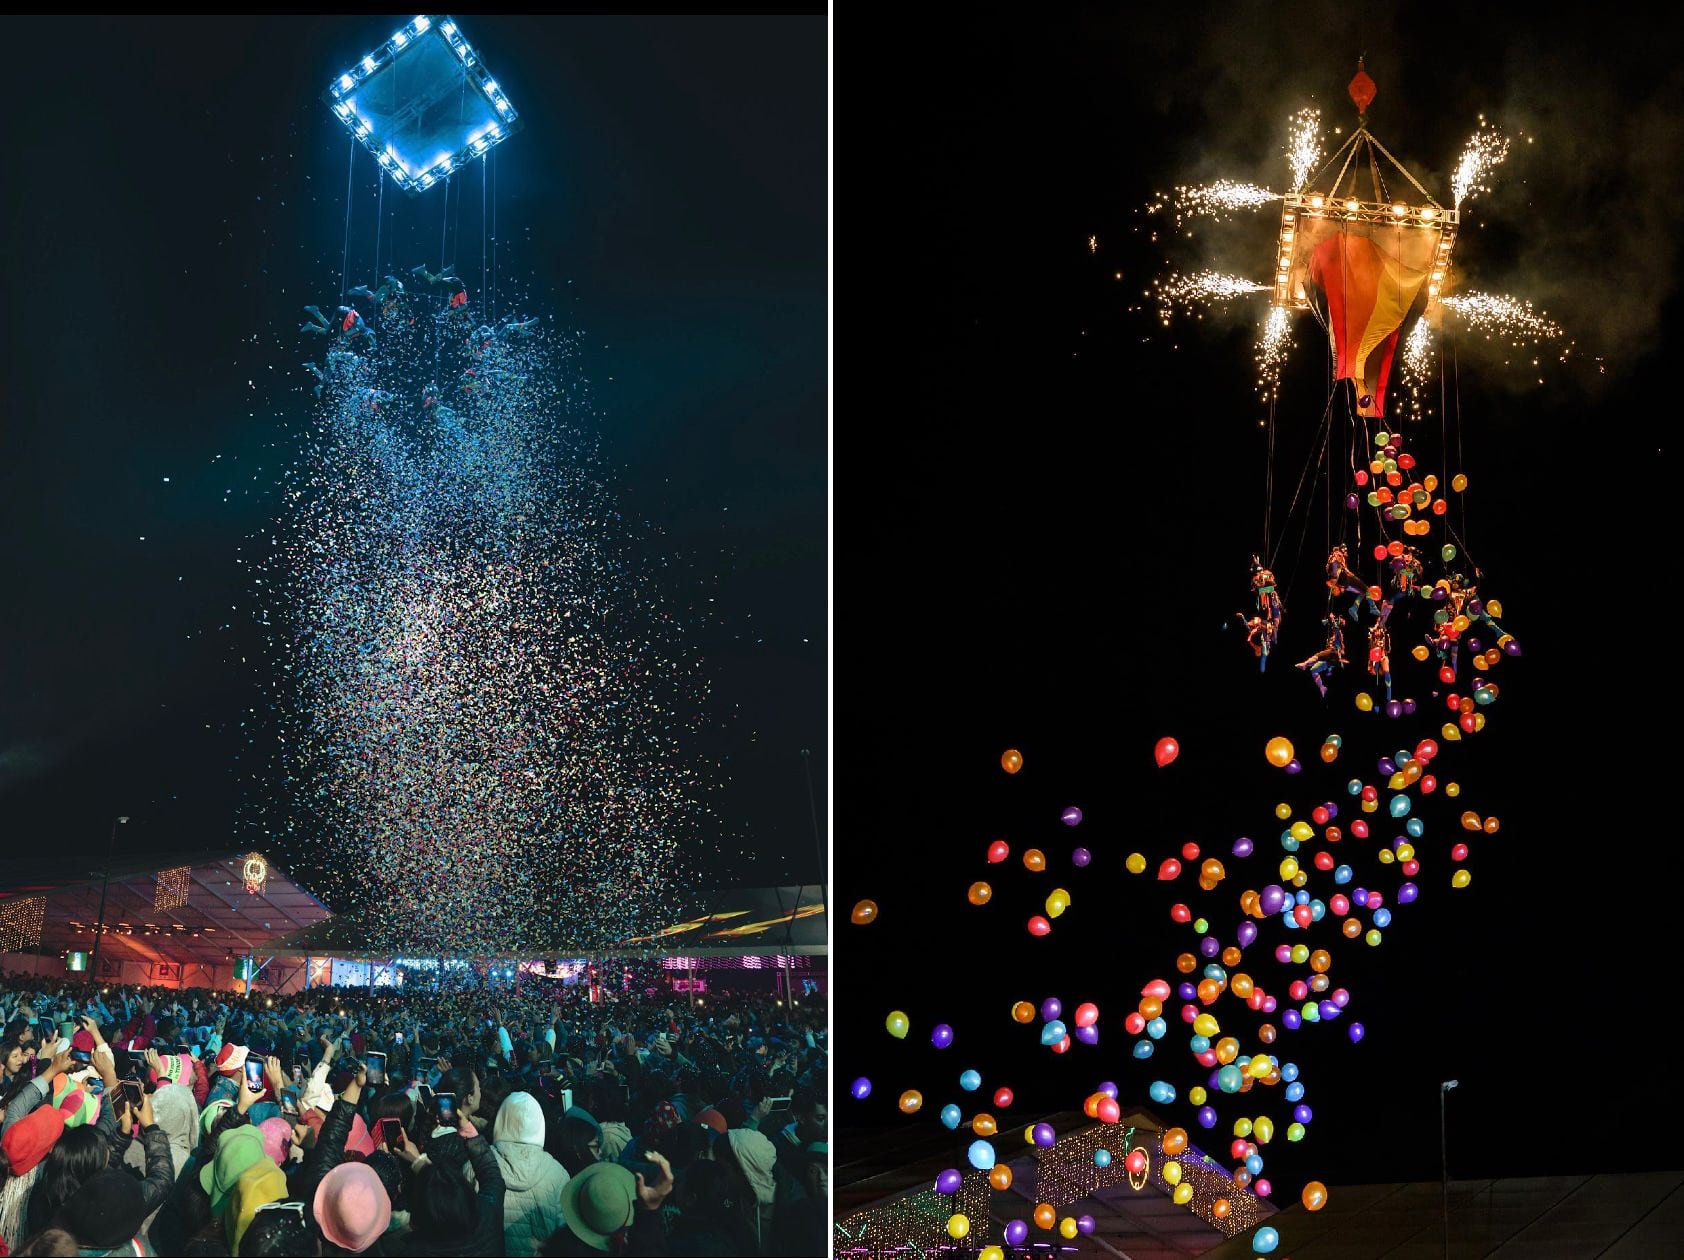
x=1459, y=482
x=1278, y=751
x=910, y=1101
x=958, y=1225
x=979, y=893
x=948, y=1181
x=1034, y=860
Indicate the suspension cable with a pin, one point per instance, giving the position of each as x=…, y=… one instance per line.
x=445, y=226
x=345, y=262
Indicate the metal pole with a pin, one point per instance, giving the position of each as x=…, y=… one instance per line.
x=104, y=883
x=1444, y=1156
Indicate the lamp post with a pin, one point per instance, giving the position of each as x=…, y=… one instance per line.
x=1444, y=1157
x=104, y=883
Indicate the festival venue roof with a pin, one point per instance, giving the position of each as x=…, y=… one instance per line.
x=194, y=909
x=732, y=921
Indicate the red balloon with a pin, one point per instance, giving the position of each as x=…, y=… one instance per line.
x=1169, y=869
x=1380, y=551
x=1062, y=1044
x=1134, y=1023
x=1303, y=916
x=1180, y=913
x=1324, y=861
x=1038, y=925
x=1189, y=852
x=999, y=851
x=1157, y=989
x=1167, y=751
x=1359, y=828
x=1136, y=1162
x=1110, y=1111
x=1087, y=1013
x=1426, y=750
x=1002, y=1098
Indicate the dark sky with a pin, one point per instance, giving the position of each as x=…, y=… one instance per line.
x=1063, y=529
x=173, y=201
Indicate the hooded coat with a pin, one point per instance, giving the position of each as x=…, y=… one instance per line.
x=534, y=1178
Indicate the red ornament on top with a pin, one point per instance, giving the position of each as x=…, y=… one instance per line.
x=1361, y=89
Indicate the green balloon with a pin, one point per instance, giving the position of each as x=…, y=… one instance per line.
x=1448, y=551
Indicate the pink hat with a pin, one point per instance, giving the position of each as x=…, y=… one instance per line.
x=277, y=1139
x=352, y=1208
x=361, y=1140
x=230, y=1059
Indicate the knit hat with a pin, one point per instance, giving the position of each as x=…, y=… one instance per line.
x=27, y=1141
x=756, y=1154
x=519, y=1119
x=262, y=1183
x=710, y=1116
x=579, y=1113
x=666, y=1117
x=230, y=1059
x=599, y=1203
x=212, y=1113
x=177, y=1069
x=65, y=1091
x=277, y=1139
x=105, y=1211
x=237, y=1149
x=352, y=1207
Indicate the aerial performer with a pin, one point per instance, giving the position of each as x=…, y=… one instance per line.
x=1269, y=611
x=1380, y=656
x=1341, y=581
x=1405, y=581
x=1332, y=653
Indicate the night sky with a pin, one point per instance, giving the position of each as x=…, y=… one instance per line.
x=178, y=194
x=1052, y=530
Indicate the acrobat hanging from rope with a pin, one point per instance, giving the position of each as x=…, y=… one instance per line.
x=1341, y=581
x=1333, y=652
x=1380, y=656
x=1263, y=628
x=1405, y=581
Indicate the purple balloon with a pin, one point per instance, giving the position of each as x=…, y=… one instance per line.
x=1386, y=766
x=949, y=1180
x=1351, y=502
x=1246, y=933
x=1407, y=893
x=1291, y=1018
x=941, y=1036
x=1357, y=1031
x=1088, y=1034
x=1408, y=707
x=1294, y=766
x=1085, y=1224
x=1511, y=648
x=1016, y=1233
x=1207, y=1116
x=1187, y=991
x=1269, y=1004
x=1302, y=1113
x=1044, y=1135
x=1328, y=1008
x=1475, y=607
x=1359, y=897
x=861, y=1088
x=1332, y=808
x=1108, y=1088
x=1440, y=594
x=1051, y=1009
x=1209, y=946
x=1081, y=857
x=1242, y=847
x=1271, y=899
x=1072, y=816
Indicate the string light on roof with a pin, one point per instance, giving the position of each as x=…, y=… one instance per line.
x=172, y=886
x=20, y=923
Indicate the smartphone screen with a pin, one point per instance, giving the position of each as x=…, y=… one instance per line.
x=376, y=1062
x=391, y=1132
x=254, y=1073
x=132, y=1092
x=81, y=1056
x=446, y=1105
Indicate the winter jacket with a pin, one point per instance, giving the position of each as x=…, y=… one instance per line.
x=532, y=1206
x=326, y=1155
x=487, y=1240
x=28, y=1099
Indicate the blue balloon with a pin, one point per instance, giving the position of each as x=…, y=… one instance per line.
x=1109, y=1088
x=1295, y=1091
x=1382, y=917
x=1415, y=827
x=1254, y=1164
x=951, y=1115
x=1343, y=874
x=1357, y=1031
x=1289, y=1071
x=1156, y=1028
x=1102, y=1158
x=1200, y=1043
x=1161, y=1092
x=1053, y=1032
x=1265, y=1240
x=861, y=1088
x=1229, y=1079
x=970, y=1079
x=981, y=1155
x=1400, y=805
x=1143, y=1049
x=1354, y=787
x=1207, y=1116
x=1290, y=1018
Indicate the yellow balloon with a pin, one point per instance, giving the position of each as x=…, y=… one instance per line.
x=1279, y=751
x=1172, y=1171
x=1058, y=901
x=1419, y=652
x=1459, y=482
x=1397, y=782
x=1429, y=482
x=1197, y=1096
x=1452, y=789
x=1451, y=732
x=1461, y=879
x=1302, y=831
x=1136, y=863
x=992, y=1253
x=897, y=1023
x=1300, y=954
x=1365, y=702
x=1242, y=1127
x=1260, y=1066
x=1205, y=1024
x=1283, y=811
x=1264, y=1128
x=1461, y=623
x=958, y=1225
x=1494, y=607
x=911, y=1101
x=1029, y=1136
x=1067, y=1227
x=1183, y=1193
x=1289, y=867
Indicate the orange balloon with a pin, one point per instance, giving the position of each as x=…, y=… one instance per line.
x=1023, y=1012
x=983, y=1125
x=1175, y=1141
x=1315, y=1196
x=1045, y=1215
x=979, y=893
x=1011, y=761
x=863, y=912
x=1034, y=859
x=1000, y=1177
x=911, y=1101
x=1221, y=1209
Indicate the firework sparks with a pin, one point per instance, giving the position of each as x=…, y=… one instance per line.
x=1274, y=342
x=1093, y=244
x=1303, y=146
x=1416, y=352
x=1485, y=152
x=1203, y=288
x=1219, y=200
x=1509, y=318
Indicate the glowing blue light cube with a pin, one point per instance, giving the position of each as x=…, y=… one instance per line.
x=423, y=104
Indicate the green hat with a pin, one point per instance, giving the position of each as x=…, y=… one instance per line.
x=212, y=1113
x=65, y=1091
x=600, y=1202
x=237, y=1149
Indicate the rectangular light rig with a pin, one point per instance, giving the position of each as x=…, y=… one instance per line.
x=423, y=104
x=1435, y=225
